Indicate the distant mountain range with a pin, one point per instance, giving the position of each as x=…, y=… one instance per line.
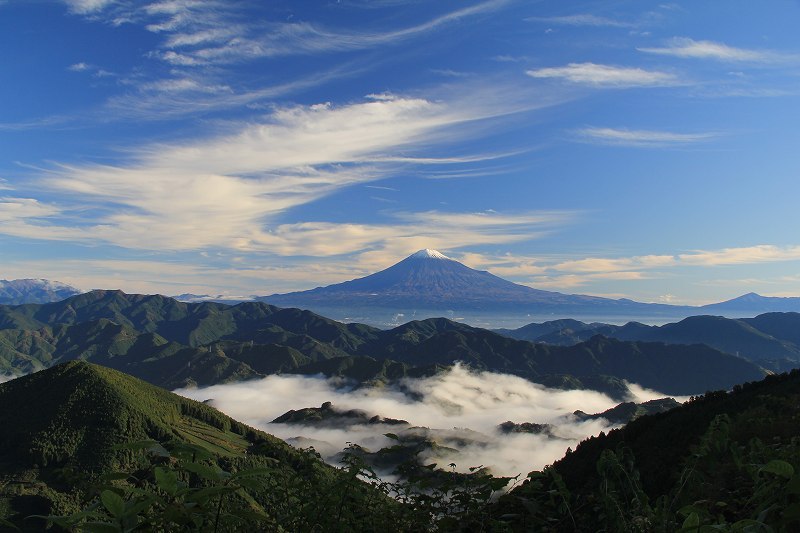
x=34, y=291
x=173, y=344
x=771, y=339
x=429, y=280
x=434, y=284
x=752, y=302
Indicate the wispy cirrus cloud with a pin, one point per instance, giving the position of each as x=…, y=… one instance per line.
x=606, y=76
x=234, y=188
x=583, y=19
x=568, y=274
x=79, y=67
x=212, y=32
x=641, y=138
x=762, y=253
x=205, y=41
x=689, y=48
x=87, y=7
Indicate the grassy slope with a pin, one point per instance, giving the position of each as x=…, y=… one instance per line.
x=66, y=421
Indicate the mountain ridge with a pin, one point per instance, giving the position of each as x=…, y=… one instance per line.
x=175, y=344
x=29, y=290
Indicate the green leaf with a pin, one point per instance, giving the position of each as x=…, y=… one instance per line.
x=141, y=506
x=64, y=522
x=204, y=471
x=692, y=521
x=166, y=480
x=113, y=502
x=250, y=483
x=158, y=450
x=779, y=468
x=6, y=523
x=208, y=493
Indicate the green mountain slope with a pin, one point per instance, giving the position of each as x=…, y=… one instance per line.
x=174, y=344
x=61, y=427
x=669, y=368
x=191, y=324
x=718, y=460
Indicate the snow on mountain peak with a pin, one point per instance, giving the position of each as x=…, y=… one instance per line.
x=427, y=253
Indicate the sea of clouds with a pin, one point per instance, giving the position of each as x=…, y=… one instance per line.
x=460, y=400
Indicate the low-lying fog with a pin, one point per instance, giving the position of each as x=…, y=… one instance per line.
x=458, y=399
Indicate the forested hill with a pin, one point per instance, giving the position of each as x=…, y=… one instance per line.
x=62, y=432
x=727, y=460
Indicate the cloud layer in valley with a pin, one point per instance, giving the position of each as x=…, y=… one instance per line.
x=457, y=400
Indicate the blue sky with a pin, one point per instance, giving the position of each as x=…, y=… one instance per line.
x=619, y=148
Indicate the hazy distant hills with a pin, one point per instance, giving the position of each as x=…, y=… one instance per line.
x=24, y=291
x=174, y=344
x=754, y=303
x=429, y=280
x=770, y=339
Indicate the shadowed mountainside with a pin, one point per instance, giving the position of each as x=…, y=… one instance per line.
x=175, y=344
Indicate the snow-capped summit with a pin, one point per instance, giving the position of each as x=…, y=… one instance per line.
x=426, y=279
x=23, y=291
x=427, y=253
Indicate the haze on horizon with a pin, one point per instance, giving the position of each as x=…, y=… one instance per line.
x=636, y=149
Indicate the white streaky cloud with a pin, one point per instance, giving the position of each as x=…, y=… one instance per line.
x=561, y=282
x=606, y=76
x=600, y=264
x=195, y=94
x=304, y=38
x=457, y=398
x=411, y=232
x=689, y=48
x=488, y=219
x=20, y=209
x=230, y=278
x=87, y=7
x=642, y=138
x=211, y=32
x=578, y=272
x=79, y=67
x=583, y=19
x=184, y=85
x=763, y=253
x=227, y=191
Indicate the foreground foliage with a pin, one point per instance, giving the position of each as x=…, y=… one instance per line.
x=721, y=462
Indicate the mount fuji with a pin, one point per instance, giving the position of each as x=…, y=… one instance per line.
x=430, y=280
